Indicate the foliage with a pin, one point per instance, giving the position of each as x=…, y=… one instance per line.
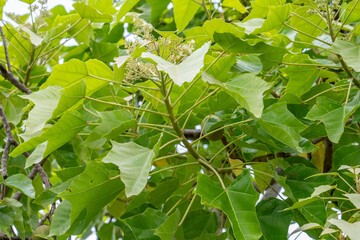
x=181, y=119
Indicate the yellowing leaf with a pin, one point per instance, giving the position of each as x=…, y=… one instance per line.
x=236, y=163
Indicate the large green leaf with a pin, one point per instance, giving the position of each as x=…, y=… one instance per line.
x=346, y=155
x=273, y=221
x=21, y=183
x=333, y=114
x=277, y=15
x=269, y=55
x=83, y=194
x=308, y=26
x=60, y=220
x=349, y=51
x=134, y=162
x=281, y=124
x=142, y=226
x=157, y=7
x=184, y=11
x=248, y=90
x=241, y=213
x=86, y=11
x=112, y=124
x=301, y=78
x=95, y=73
x=166, y=231
x=49, y=103
x=186, y=70
x=56, y=136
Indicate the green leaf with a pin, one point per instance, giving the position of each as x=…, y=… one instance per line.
x=2, y=4
x=50, y=103
x=157, y=8
x=352, y=230
x=166, y=231
x=234, y=4
x=162, y=192
x=307, y=25
x=83, y=194
x=126, y=7
x=248, y=90
x=95, y=73
x=248, y=63
x=333, y=114
x=184, y=11
x=60, y=221
x=142, y=226
x=301, y=78
x=347, y=155
x=349, y=51
x=355, y=14
x=28, y=1
x=277, y=16
x=274, y=223
x=186, y=70
x=134, y=162
x=242, y=213
x=218, y=25
x=86, y=11
x=21, y=183
x=260, y=8
x=269, y=55
x=56, y=136
x=112, y=124
x=281, y=124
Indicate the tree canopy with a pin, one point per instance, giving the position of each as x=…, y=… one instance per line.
x=181, y=119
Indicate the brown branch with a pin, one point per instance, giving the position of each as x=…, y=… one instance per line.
x=5, y=49
x=4, y=237
x=267, y=157
x=10, y=77
x=4, y=167
x=31, y=175
x=328, y=155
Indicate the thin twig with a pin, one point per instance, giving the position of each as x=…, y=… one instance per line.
x=5, y=49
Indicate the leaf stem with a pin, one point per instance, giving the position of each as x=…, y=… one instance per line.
x=187, y=210
x=126, y=106
x=306, y=34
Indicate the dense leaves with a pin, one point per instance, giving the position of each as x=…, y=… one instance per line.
x=180, y=119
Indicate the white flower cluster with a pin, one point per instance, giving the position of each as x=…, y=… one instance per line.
x=173, y=49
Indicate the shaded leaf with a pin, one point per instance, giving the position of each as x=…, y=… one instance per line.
x=242, y=213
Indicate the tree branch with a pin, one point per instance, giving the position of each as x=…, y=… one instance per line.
x=10, y=77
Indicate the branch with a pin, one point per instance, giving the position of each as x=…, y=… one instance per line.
x=31, y=175
x=5, y=49
x=10, y=77
x=4, y=237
